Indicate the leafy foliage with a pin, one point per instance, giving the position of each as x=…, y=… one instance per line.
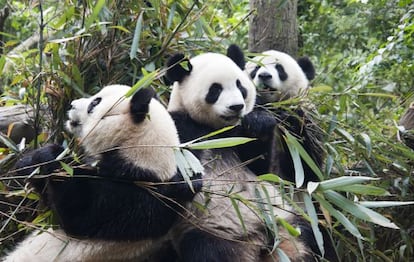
x=363, y=51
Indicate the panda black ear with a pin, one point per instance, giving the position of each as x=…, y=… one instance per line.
x=237, y=55
x=175, y=69
x=307, y=67
x=140, y=103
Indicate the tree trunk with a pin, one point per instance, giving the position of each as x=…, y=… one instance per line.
x=274, y=26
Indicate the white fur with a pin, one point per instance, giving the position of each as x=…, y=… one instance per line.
x=55, y=245
x=296, y=84
x=209, y=68
x=148, y=145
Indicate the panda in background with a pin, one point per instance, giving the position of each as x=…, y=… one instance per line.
x=123, y=208
x=277, y=76
x=210, y=92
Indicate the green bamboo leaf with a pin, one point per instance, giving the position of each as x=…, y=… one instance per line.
x=345, y=135
x=42, y=217
x=220, y=143
x=9, y=143
x=272, y=178
x=291, y=229
x=171, y=14
x=339, y=216
x=239, y=215
x=184, y=168
x=367, y=142
x=121, y=28
x=67, y=168
x=303, y=154
x=343, y=181
x=310, y=208
x=145, y=81
x=381, y=95
x=136, y=37
x=358, y=211
x=2, y=63
x=95, y=12
x=193, y=161
x=221, y=130
x=297, y=162
x=364, y=190
x=282, y=255
x=379, y=204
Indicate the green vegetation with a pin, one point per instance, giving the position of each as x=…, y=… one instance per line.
x=363, y=53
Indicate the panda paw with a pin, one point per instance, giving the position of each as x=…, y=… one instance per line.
x=41, y=157
x=180, y=190
x=259, y=124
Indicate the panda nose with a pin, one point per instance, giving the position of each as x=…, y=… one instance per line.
x=236, y=108
x=264, y=76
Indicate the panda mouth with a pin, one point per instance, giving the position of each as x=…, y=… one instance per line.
x=230, y=117
x=263, y=86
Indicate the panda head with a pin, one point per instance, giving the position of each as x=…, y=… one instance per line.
x=278, y=76
x=138, y=128
x=212, y=88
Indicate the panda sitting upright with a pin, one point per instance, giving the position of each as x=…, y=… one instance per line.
x=123, y=208
x=278, y=77
x=210, y=92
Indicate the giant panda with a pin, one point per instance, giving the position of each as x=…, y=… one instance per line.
x=122, y=207
x=211, y=91
x=278, y=77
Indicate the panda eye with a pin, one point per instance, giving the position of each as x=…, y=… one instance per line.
x=242, y=89
x=281, y=71
x=213, y=93
x=253, y=73
x=94, y=103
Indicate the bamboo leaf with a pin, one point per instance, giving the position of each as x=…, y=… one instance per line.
x=239, y=215
x=291, y=229
x=220, y=143
x=339, y=216
x=367, y=143
x=310, y=208
x=297, y=163
x=343, y=181
x=303, y=154
x=364, y=190
x=193, y=161
x=67, y=168
x=184, y=168
x=379, y=204
x=171, y=14
x=9, y=143
x=95, y=12
x=136, y=37
x=358, y=211
x=345, y=135
x=145, y=81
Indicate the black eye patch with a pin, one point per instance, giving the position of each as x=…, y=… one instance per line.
x=254, y=72
x=281, y=71
x=242, y=89
x=213, y=93
x=94, y=103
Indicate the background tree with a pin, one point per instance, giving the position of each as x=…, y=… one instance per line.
x=273, y=25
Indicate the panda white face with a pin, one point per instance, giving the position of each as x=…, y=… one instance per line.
x=139, y=127
x=216, y=91
x=278, y=76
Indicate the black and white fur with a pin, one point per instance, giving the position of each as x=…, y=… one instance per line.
x=211, y=91
x=122, y=209
x=277, y=76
